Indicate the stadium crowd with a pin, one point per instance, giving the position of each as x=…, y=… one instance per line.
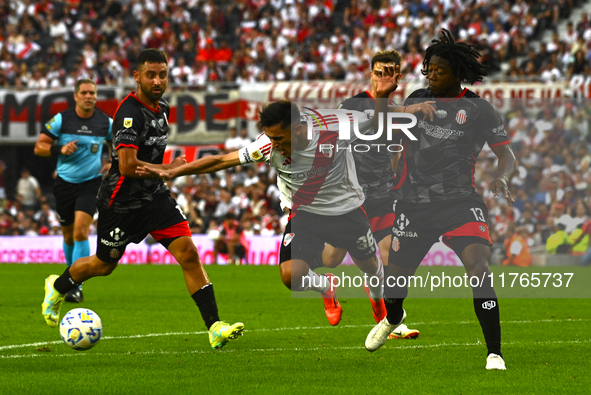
x=47, y=44
x=54, y=43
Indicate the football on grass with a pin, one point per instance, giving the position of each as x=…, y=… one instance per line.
x=81, y=329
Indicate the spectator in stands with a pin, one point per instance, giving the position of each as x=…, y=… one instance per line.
x=558, y=242
x=28, y=187
x=516, y=248
x=231, y=241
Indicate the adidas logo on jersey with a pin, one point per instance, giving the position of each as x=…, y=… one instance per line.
x=313, y=172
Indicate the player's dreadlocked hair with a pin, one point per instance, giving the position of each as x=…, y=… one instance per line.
x=282, y=112
x=462, y=58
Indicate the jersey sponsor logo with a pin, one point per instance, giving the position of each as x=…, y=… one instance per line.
x=246, y=156
x=441, y=114
x=313, y=172
x=499, y=131
x=256, y=155
x=156, y=140
x=461, y=117
x=395, y=244
x=489, y=305
x=127, y=122
x=402, y=221
x=326, y=150
x=439, y=132
x=287, y=239
x=84, y=129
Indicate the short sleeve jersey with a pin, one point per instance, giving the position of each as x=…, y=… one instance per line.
x=374, y=169
x=321, y=178
x=440, y=164
x=146, y=130
x=85, y=163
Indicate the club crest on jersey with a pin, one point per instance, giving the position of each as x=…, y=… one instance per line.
x=287, y=239
x=127, y=122
x=461, y=117
x=327, y=150
x=482, y=228
x=395, y=244
x=256, y=155
x=441, y=114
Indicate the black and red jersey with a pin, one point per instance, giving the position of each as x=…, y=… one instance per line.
x=374, y=169
x=440, y=164
x=140, y=127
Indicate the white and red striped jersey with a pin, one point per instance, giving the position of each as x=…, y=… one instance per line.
x=321, y=179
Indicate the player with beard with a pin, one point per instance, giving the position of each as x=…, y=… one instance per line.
x=438, y=197
x=131, y=206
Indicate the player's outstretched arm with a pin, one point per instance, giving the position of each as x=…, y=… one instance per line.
x=506, y=169
x=207, y=164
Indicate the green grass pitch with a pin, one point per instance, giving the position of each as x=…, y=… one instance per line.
x=155, y=342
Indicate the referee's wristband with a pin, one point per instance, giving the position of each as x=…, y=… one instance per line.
x=56, y=150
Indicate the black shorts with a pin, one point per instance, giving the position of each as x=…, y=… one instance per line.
x=306, y=233
x=460, y=222
x=381, y=216
x=162, y=218
x=70, y=198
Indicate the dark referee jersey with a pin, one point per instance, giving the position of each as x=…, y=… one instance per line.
x=136, y=126
x=440, y=164
x=374, y=169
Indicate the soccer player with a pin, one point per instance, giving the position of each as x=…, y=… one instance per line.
x=76, y=136
x=376, y=176
x=438, y=197
x=132, y=206
x=318, y=184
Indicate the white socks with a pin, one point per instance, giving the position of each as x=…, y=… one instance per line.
x=375, y=282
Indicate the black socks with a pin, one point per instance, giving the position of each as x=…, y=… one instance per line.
x=205, y=300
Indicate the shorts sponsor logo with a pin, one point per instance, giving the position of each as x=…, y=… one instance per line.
x=461, y=117
x=401, y=233
x=395, y=244
x=114, y=254
x=482, y=228
x=287, y=239
x=127, y=122
x=256, y=155
x=116, y=234
x=489, y=305
x=402, y=222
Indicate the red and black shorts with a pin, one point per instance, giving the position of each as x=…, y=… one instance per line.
x=459, y=222
x=381, y=216
x=162, y=218
x=70, y=198
x=306, y=233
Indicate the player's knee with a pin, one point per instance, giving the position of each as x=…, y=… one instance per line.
x=478, y=268
x=81, y=234
x=188, y=255
x=331, y=262
x=285, y=276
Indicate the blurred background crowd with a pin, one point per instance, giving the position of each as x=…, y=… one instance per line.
x=51, y=44
x=54, y=43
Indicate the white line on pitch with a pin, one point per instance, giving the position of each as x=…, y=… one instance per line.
x=418, y=346
x=291, y=328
